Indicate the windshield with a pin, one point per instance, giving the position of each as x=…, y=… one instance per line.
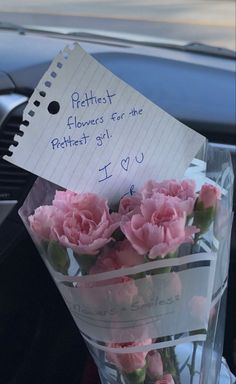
x=210, y=22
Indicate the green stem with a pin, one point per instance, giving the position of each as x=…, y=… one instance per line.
x=175, y=367
x=119, y=376
x=136, y=377
x=170, y=363
x=192, y=367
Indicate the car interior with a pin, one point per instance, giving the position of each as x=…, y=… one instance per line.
x=39, y=341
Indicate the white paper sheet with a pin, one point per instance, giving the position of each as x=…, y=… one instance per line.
x=106, y=137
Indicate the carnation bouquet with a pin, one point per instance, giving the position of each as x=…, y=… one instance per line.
x=143, y=277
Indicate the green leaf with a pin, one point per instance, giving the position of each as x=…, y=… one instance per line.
x=85, y=261
x=58, y=257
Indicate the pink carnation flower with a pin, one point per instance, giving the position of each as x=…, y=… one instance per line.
x=44, y=220
x=87, y=226
x=64, y=200
x=105, y=262
x=128, y=362
x=184, y=190
x=120, y=291
x=79, y=221
x=154, y=365
x=166, y=379
x=123, y=289
x=123, y=255
x=126, y=255
x=160, y=228
x=130, y=205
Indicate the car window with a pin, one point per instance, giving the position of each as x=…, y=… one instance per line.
x=206, y=22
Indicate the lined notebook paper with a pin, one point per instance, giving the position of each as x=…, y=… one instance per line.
x=86, y=130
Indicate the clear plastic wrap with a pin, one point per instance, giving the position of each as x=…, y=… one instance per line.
x=160, y=321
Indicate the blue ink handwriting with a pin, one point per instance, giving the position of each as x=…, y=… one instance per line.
x=106, y=173
x=125, y=163
x=131, y=191
x=73, y=122
x=117, y=117
x=140, y=159
x=89, y=98
x=103, y=136
x=68, y=142
x=135, y=112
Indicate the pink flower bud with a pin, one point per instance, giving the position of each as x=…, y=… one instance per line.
x=198, y=308
x=154, y=365
x=205, y=208
x=209, y=195
x=130, y=361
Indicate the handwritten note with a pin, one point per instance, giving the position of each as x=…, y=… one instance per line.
x=86, y=130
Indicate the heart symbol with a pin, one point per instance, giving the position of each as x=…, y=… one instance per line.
x=125, y=163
